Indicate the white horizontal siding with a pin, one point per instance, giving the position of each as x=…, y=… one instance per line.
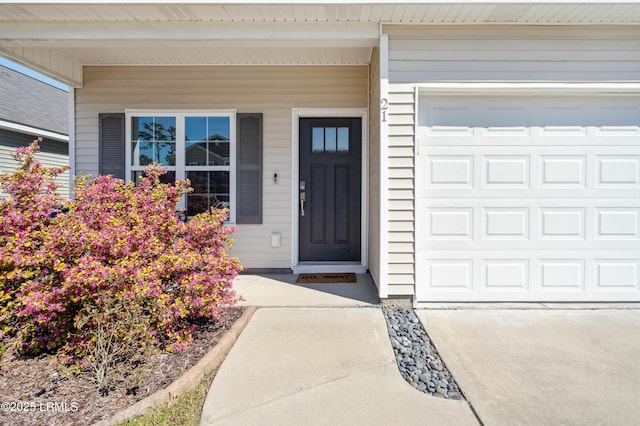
x=421, y=54
x=274, y=91
x=401, y=190
x=52, y=154
x=438, y=54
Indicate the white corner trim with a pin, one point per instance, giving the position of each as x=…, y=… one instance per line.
x=296, y=114
x=383, y=255
x=72, y=139
x=527, y=88
x=29, y=130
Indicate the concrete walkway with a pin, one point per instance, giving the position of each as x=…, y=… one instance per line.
x=281, y=290
x=320, y=355
x=562, y=366
x=320, y=366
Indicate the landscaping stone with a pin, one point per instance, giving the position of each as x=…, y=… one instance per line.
x=417, y=358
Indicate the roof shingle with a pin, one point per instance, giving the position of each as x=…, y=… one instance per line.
x=25, y=100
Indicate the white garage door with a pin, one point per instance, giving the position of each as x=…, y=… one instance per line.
x=528, y=199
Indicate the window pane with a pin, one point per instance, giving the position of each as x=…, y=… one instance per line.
x=153, y=140
x=219, y=185
x=219, y=133
x=210, y=189
x=330, y=139
x=165, y=153
x=142, y=153
x=317, y=139
x=219, y=153
x=197, y=204
x=207, y=141
x=199, y=182
x=142, y=129
x=343, y=139
x=169, y=177
x=165, y=136
x=195, y=141
x=218, y=128
x=195, y=129
x=165, y=128
x=196, y=154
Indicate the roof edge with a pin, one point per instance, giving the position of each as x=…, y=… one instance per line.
x=29, y=130
x=321, y=2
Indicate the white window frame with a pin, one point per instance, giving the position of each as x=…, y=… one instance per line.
x=181, y=168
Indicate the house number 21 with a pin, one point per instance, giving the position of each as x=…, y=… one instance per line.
x=384, y=105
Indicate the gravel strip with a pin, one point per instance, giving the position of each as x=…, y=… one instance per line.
x=417, y=358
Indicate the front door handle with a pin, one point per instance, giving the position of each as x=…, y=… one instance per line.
x=303, y=198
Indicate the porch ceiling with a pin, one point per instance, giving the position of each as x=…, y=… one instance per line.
x=59, y=38
x=411, y=11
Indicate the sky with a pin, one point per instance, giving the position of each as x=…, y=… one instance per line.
x=31, y=73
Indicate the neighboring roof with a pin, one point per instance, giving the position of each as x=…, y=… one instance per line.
x=32, y=103
x=59, y=38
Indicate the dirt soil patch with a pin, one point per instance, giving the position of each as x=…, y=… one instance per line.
x=36, y=391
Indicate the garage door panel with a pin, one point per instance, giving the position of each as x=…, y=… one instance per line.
x=615, y=171
x=532, y=224
x=550, y=173
x=617, y=223
x=515, y=275
x=555, y=193
x=451, y=171
x=506, y=171
x=593, y=137
x=528, y=199
x=617, y=275
x=566, y=171
x=561, y=223
x=505, y=223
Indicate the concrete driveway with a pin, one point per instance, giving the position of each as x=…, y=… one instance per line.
x=543, y=367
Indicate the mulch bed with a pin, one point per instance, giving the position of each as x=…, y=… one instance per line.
x=36, y=391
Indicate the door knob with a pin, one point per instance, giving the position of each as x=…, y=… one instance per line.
x=303, y=198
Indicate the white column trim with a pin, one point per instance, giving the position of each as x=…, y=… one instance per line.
x=383, y=285
x=72, y=139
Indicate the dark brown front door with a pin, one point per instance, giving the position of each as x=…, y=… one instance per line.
x=330, y=189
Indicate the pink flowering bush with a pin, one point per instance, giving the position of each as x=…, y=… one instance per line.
x=24, y=219
x=116, y=261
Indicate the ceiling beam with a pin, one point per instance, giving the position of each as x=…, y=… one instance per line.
x=350, y=33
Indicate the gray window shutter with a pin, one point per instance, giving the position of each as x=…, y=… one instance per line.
x=249, y=168
x=111, y=144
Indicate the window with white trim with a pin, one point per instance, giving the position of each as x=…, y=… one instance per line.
x=194, y=145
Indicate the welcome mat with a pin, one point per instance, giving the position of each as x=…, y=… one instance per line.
x=326, y=278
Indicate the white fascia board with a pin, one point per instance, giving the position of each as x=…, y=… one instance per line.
x=71, y=34
x=527, y=88
x=28, y=130
x=316, y=2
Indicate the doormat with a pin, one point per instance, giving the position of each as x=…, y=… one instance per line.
x=326, y=278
